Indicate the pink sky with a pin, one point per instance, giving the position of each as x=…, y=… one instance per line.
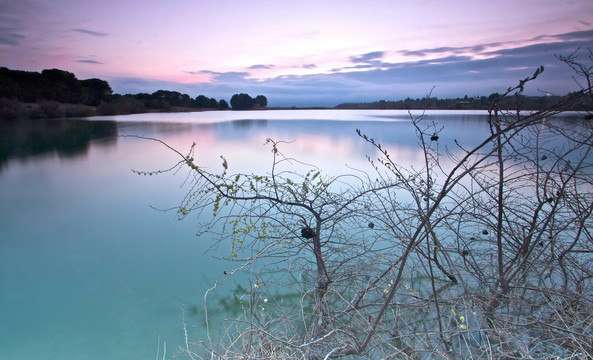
x=303, y=51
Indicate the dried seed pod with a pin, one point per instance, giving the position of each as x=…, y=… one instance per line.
x=307, y=232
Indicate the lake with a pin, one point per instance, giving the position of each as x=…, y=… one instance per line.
x=92, y=267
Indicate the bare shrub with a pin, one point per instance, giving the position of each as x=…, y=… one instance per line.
x=12, y=110
x=77, y=111
x=485, y=255
x=50, y=109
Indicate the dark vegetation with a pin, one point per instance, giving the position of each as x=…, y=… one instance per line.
x=244, y=101
x=55, y=93
x=164, y=100
x=52, y=85
x=472, y=103
x=50, y=94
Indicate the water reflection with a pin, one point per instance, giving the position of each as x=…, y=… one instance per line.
x=326, y=139
x=322, y=137
x=68, y=138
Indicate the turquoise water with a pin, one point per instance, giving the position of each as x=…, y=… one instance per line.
x=90, y=268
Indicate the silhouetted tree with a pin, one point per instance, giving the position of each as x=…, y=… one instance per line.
x=222, y=104
x=95, y=91
x=9, y=84
x=201, y=101
x=52, y=85
x=241, y=101
x=212, y=103
x=62, y=86
x=261, y=100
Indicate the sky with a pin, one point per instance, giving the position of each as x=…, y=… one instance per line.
x=301, y=53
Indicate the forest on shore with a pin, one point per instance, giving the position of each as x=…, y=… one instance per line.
x=471, y=103
x=55, y=93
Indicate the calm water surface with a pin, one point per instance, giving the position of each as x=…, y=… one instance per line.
x=89, y=269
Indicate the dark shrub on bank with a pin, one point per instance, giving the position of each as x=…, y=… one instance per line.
x=120, y=105
x=50, y=110
x=78, y=111
x=12, y=110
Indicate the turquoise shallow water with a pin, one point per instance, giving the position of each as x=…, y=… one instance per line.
x=90, y=269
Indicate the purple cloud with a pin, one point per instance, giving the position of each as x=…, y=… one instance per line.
x=92, y=33
x=260, y=66
x=226, y=76
x=89, y=61
x=8, y=37
x=368, y=57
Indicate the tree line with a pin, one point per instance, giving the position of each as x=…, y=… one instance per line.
x=163, y=99
x=471, y=103
x=52, y=85
x=52, y=89
x=166, y=100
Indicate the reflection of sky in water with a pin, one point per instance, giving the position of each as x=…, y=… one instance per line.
x=88, y=268
x=318, y=137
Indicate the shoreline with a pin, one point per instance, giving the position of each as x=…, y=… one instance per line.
x=12, y=110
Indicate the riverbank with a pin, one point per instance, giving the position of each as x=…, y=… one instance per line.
x=11, y=110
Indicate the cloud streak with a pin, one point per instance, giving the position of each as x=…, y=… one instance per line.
x=90, y=32
x=10, y=37
x=86, y=61
x=12, y=29
x=368, y=57
x=261, y=66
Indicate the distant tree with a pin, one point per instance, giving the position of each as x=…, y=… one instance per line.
x=212, y=103
x=145, y=98
x=52, y=85
x=204, y=102
x=222, y=104
x=9, y=86
x=62, y=86
x=493, y=96
x=241, y=102
x=95, y=91
x=201, y=101
x=185, y=100
x=261, y=100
